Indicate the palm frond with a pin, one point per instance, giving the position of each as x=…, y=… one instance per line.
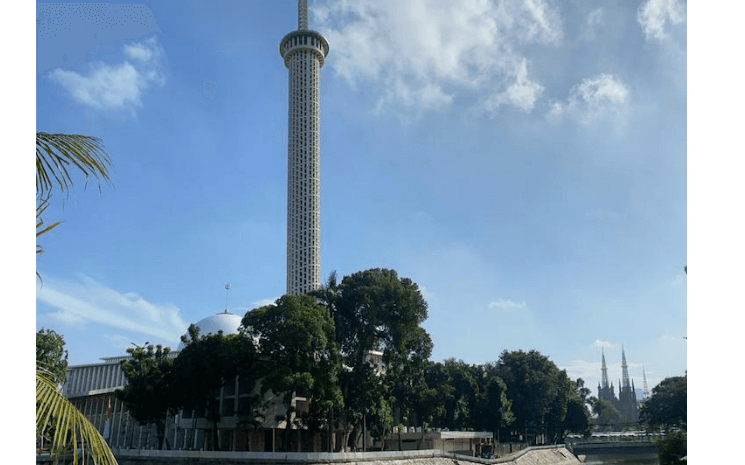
x=40, y=207
x=72, y=431
x=55, y=153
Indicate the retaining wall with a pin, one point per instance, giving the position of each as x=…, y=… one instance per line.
x=546, y=455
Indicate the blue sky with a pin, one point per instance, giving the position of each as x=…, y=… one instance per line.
x=524, y=162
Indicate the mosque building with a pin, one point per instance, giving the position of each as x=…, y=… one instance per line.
x=92, y=387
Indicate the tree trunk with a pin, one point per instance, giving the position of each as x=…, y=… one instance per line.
x=215, y=436
x=160, y=429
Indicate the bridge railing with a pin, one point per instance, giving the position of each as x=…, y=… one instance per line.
x=614, y=438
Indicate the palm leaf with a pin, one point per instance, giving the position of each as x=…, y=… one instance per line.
x=55, y=153
x=72, y=431
x=40, y=207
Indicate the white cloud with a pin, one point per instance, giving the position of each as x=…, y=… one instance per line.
x=88, y=300
x=595, y=19
x=521, y=94
x=587, y=370
x=67, y=318
x=599, y=344
x=113, y=87
x=507, y=304
x=421, y=55
x=655, y=15
x=145, y=51
x=106, y=88
x=603, y=97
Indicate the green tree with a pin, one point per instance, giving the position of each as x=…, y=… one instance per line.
x=375, y=311
x=460, y=392
x=70, y=430
x=51, y=359
x=297, y=352
x=668, y=405
x=672, y=447
x=440, y=391
x=55, y=154
x=555, y=418
x=577, y=418
x=494, y=408
x=538, y=391
x=404, y=374
x=149, y=393
x=606, y=414
x=51, y=354
x=206, y=364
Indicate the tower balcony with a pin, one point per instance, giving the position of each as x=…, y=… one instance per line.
x=303, y=40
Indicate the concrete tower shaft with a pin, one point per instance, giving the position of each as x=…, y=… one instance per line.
x=304, y=53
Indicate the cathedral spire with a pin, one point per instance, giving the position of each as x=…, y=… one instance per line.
x=605, y=372
x=624, y=369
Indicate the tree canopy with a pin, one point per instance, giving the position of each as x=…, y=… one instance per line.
x=377, y=314
x=51, y=354
x=55, y=153
x=295, y=345
x=206, y=364
x=668, y=405
x=539, y=392
x=149, y=392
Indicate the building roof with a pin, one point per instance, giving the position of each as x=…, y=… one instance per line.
x=225, y=321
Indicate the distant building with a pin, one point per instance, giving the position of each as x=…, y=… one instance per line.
x=91, y=388
x=626, y=403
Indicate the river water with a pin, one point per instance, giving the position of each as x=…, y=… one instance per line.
x=646, y=459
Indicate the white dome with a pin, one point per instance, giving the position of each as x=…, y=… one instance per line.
x=225, y=321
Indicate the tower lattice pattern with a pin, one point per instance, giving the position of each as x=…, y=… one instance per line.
x=304, y=52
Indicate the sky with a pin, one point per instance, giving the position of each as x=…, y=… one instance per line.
x=523, y=162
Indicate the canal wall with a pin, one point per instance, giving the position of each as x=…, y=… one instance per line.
x=545, y=455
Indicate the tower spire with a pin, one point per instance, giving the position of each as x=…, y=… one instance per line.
x=624, y=369
x=646, y=389
x=302, y=15
x=605, y=371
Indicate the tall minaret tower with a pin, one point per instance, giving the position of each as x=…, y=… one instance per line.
x=304, y=52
